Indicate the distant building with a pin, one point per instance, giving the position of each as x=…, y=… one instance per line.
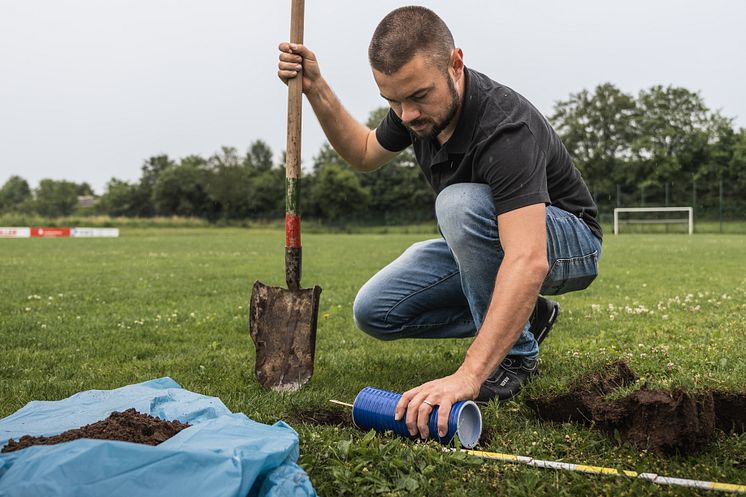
x=86, y=201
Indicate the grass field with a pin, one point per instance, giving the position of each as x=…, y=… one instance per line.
x=79, y=314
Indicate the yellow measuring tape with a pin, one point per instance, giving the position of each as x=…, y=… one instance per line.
x=600, y=470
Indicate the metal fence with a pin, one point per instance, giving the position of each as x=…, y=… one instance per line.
x=719, y=207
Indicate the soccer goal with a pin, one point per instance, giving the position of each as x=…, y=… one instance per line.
x=666, y=219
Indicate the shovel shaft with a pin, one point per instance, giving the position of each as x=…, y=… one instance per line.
x=292, y=160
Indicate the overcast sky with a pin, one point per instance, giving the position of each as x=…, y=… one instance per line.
x=91, y=88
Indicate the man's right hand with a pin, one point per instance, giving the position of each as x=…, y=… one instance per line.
x=293, y=58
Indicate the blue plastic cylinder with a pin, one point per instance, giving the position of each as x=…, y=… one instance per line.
x=375, y=408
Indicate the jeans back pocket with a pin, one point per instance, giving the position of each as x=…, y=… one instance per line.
x=570, y=275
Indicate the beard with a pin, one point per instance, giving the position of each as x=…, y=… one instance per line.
x=435, y=127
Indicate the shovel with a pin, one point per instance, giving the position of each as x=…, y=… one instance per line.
x=282, y=322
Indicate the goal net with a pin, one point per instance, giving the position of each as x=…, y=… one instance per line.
x=662, y=217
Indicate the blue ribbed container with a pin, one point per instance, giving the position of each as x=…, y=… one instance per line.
x=375, y=408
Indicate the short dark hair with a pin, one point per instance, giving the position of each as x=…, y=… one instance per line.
x=405, y=32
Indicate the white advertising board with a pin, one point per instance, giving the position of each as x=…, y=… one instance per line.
x=11, y=232
x=95, y=232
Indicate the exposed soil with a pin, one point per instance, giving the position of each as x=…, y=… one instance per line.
x=730, y=411
x=487, y=435
x=331, y=417
x=663, y=422
x=127, y=426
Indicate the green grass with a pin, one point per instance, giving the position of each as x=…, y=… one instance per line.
x=728, y=226
x=79, y=314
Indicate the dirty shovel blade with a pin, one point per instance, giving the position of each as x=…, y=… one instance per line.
x=282, y=324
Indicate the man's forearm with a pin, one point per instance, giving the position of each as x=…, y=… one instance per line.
x=516, y=287
x=348, y=136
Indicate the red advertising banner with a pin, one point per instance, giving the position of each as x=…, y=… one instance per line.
x=50, y=232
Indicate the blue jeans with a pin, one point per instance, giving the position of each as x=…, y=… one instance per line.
x=442, y=288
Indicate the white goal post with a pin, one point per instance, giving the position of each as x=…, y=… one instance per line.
x=689, y=219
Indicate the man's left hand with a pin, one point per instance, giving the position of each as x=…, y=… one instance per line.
x=419, y=402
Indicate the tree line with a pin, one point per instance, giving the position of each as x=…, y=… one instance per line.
x=665, y=141
x=620, y=142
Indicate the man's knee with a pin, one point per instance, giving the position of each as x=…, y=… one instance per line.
x=368, y=316
x=464, y=210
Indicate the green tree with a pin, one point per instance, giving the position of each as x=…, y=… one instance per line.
x=737, y=161
x=736, y=170
x=56, y=198
x=338, y=193
x=194, y=160
x=674, y=128
x=267, y=198
x=246, y=188
x=179, y=190
x=228, y=183
x=376, y=116
x=327, y=155
x=84, y=189
x=209, y=208
x=259, y=156
x=226, y=157
x=151, y=170
x=229, y=189
x=726, y=163
x=14, y=193
x=119, y=199
x=597, y=128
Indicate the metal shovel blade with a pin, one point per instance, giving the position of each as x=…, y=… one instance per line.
x=282, y=324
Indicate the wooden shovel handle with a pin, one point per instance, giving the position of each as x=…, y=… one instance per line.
x=293, y=255
x=295, y=94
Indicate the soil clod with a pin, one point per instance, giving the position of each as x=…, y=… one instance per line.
x=660, y=421
x=127, y=426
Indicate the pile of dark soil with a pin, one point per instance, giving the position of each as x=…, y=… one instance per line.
x=127, y=426
x=660, y=421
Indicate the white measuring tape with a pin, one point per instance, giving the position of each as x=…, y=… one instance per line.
x=600, y=470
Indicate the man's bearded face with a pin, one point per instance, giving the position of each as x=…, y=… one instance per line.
x=426, y=127
x=424, y=96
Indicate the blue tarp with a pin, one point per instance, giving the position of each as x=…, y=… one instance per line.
x=222, y=454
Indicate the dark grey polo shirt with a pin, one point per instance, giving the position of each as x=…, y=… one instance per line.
x=503, y=141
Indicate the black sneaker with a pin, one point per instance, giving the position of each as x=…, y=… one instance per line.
x=508, y=379
x=543, y=317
